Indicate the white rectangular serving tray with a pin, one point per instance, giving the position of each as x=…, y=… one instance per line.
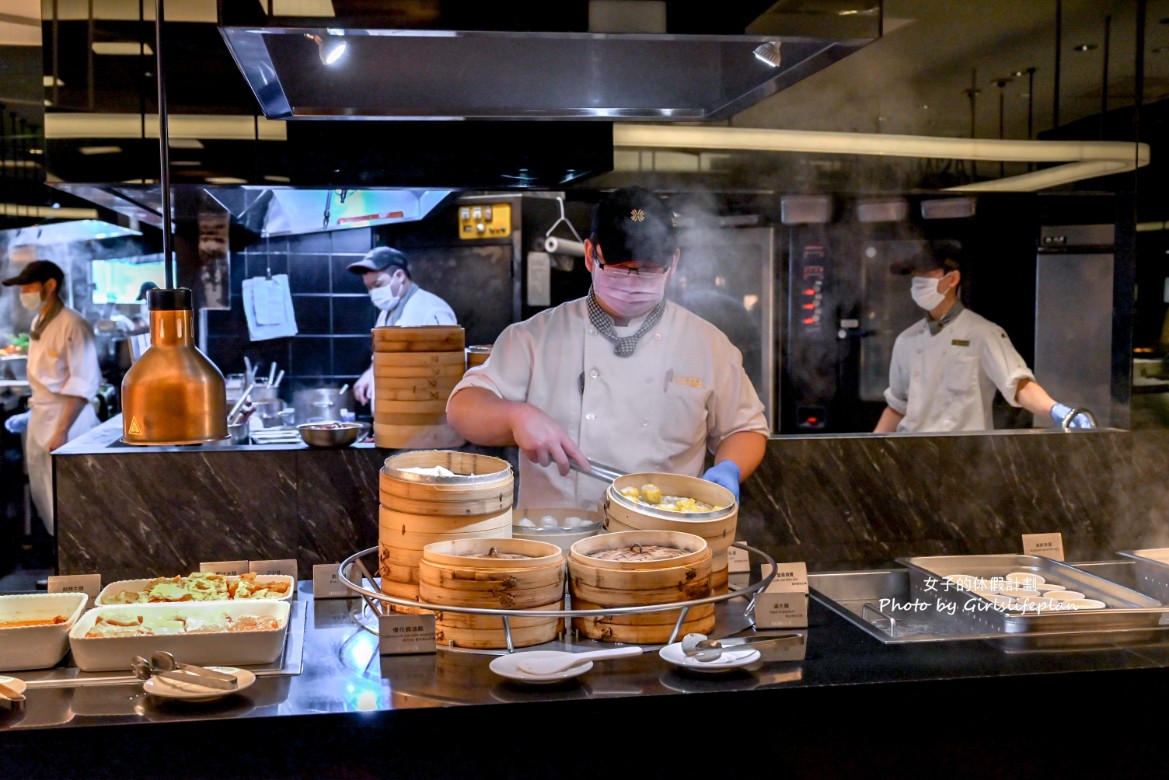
x=37, y=647
x=99, y=654
x=109, y=591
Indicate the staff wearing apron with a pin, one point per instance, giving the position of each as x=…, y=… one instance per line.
x=622, y=376
x=63, y=374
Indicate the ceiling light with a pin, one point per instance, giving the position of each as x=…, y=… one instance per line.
x=1080, y=159
x=50, y=81
x=1085, y=47
x=331, y=48
x=768, y=52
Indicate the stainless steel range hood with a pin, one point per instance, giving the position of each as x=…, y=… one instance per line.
x=636, y=60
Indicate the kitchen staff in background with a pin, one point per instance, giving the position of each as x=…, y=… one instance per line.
x=63, y=374
x=399, y=301
x=622, y=376
x=945, y=367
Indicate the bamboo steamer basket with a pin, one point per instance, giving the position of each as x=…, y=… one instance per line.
x=420, y=338
x=417, y=510
x=601, y=584
x=414, y=371
x=717, y=527
x=467, y=573
x=406, y=437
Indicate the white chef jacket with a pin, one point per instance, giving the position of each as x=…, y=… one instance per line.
x=62, y=362
x=946, y=382
x=680, y=393
x=419, y=308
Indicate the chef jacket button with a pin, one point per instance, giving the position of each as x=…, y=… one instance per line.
x=657, y=337
x=590, y=416
x=592, y=331
x=594, y=374
x=645, y=423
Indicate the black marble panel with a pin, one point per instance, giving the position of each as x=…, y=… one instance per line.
x=337, y=503
x=146, y=514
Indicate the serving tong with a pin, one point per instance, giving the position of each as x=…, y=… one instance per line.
x=165, y=665
x=598, y=470
x=702, y=648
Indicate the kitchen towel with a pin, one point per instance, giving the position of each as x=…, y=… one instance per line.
x=268, y=307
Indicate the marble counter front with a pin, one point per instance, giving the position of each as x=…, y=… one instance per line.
x=130, y=511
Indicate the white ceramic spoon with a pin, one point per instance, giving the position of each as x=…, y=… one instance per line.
x=551, y=664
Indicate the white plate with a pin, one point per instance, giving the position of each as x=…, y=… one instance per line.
x=15, y=683
x=506, y=666
x=730, y=659
x=177, y=689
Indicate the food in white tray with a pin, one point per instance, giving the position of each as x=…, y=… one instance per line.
x=203, y=586
x=126, y=624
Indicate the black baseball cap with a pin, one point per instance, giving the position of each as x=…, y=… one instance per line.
x=146, y=287
x=37, y=271
x=379, y=259
x=635, y=224
x=946, y=255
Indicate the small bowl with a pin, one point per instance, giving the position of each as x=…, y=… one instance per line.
x=329, y=434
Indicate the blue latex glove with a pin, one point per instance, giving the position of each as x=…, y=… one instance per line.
x=1081, y=420
x=725, y=474
x=17, y=422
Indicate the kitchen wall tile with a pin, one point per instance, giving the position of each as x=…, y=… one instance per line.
x=343, y=280
x=312, y=314
x=308, y=273
x=351, y=355
x=310, y=243
x=312, y=356
x=353, y=315
x=357, y=240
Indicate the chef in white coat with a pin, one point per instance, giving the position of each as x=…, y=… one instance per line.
x=622, y=376
x=63, y=374
x=400, y=302
x=946, y=367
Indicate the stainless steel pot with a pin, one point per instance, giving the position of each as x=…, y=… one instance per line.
x=321, y=404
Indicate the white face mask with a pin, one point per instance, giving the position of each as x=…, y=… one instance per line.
x=925, y=292
x=629, y=296
x=383, y=297
x=30, y=300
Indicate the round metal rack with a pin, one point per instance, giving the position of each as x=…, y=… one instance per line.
x=356, y=576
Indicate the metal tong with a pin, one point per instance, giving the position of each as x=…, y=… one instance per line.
x=163, y=664
x=699, y=647
x=598, y=470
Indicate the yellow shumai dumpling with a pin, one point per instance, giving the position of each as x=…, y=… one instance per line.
x=651, y=494
x=631, y=493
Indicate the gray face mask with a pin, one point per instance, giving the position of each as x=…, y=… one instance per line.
x=31, y=300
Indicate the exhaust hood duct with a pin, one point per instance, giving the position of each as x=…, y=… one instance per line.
x=449, y=61
x=287, y=211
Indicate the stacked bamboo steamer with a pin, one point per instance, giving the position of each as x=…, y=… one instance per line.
x=416, y=509
x=716, y=527
x=414, y=371
x=509, y=574
x=596, y=583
